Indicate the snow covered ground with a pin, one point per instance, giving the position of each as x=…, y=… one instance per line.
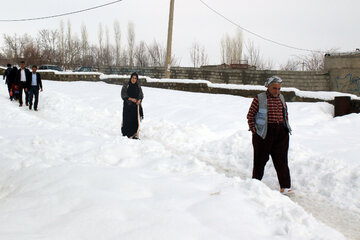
x=67, y=173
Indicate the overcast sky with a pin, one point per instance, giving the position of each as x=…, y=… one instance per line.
x=310, y=24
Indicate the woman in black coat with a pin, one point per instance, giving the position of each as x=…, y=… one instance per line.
x=132, y=95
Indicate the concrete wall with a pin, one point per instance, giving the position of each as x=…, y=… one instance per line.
x=308, y=81
x=345, y=80
x=342, y=61
x=344, y=73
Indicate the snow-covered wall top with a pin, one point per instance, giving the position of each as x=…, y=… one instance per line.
x=291, y=93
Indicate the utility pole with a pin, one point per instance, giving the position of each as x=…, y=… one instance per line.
x=169, y=40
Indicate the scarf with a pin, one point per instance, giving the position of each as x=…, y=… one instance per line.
x=133, y=90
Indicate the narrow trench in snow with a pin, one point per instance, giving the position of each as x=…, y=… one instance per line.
x=344, y=221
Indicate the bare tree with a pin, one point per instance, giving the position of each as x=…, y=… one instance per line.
x=291, y=65
x=12, y=46
x=252, y=54
x=157, y=54
x=231, y=48
x=141, y=55
x=69, y=46
x=100, y=42
x=117, y=34
x=312, y=62
x=265, y=65
x=67, y=49
x=92, y=59
x=254, y=58
x=75, y=54
x=21, y=47
x=61, y=43
x=107, y=52
x=25, y=41
x=84, y=45
x=204, y=57
x=195, y=54
x=237, y=47
x=54, y=36
x=198, y=55
x=228, y=49
x=131, y=43
x=124, y=58
x=47, y=45
x=174, y=61
x=223, y=50
x=31, y=52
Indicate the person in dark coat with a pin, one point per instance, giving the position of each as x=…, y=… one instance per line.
x=13, y=86
x=6, y=77
x=22, y=76
x=7, y=72
x=132, y=95
x=34, y=84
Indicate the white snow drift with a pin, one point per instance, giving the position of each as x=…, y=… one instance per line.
x=67, y=173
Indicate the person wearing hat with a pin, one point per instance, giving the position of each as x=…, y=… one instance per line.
x=268, y=121
x=22, y=77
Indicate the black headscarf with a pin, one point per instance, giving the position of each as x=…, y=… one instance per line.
x=133, y=89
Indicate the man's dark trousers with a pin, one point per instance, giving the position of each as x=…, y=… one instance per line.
x=34, y=90
x=275, y=144
x=22, y=86
x=9, y=85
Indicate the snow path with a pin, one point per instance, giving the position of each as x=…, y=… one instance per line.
x=343, y=220
x=334, y=214
x=79, y=162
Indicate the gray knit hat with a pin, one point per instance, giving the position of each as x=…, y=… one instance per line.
x=273, y=79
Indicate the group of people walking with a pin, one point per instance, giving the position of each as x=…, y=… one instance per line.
x=267, y=117
x=22, y=80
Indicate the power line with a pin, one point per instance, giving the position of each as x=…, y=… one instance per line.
x=59, y=15
x=258, y=35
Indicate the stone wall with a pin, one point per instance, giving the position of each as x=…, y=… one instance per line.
x=189, y=87
x=67, y=77
x=341, y=74
x=290, y=96
x=307, y=81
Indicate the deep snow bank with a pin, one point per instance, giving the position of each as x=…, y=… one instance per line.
x=66, y=173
